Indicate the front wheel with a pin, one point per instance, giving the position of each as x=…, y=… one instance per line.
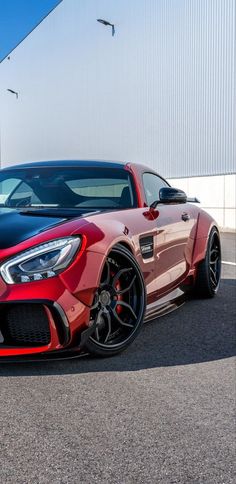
x=119, y=305
x=209, y=270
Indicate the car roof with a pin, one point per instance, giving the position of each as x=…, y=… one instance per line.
x=70, y=163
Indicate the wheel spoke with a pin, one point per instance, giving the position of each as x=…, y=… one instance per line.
x=123, y=291
x=123, y=323
x=97, y=334
x=119, y=274
x=214, y=255
x=96, y=323
x=108, y=276
x=213, y=263
x=108, y=318
x=213, y=276
x=126, y=305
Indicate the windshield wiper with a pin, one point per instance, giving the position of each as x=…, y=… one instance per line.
x=42, y=205
x=59, y=213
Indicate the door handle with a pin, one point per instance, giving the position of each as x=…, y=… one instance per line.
x=185, y=217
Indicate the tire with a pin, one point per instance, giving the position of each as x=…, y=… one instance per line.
x=119, y=305
x=209, y=270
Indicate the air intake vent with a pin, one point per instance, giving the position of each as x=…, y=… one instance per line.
x=146, y=246
x=25, y=325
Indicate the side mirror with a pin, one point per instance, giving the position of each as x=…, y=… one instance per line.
x=172, y=195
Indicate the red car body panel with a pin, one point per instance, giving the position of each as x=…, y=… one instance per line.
x=178, y=248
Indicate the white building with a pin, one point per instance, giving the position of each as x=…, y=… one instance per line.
x=161, y=91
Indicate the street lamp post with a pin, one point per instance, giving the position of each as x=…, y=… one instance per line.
x=13, y=92
x=106, y=23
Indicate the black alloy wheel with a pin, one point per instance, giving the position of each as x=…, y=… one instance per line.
x=209, y=270
x=119, y=304
x=215, y=262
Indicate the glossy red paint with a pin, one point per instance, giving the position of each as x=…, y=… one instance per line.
x=178, y=247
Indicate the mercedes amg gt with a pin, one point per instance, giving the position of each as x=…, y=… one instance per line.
x=89, y=250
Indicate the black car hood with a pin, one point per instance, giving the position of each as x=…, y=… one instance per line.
x=15, y=227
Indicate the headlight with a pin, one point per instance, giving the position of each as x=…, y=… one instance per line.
x=41, y=262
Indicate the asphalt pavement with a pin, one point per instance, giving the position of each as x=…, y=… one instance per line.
x=162, y=412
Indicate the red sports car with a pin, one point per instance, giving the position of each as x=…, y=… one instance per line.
x=90, y=250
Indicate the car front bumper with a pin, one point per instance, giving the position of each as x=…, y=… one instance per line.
x=42, y=317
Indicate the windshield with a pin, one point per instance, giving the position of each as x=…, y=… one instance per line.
x=50, y=187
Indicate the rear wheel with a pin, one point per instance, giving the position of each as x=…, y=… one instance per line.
x=119, y=304
x=209, y=270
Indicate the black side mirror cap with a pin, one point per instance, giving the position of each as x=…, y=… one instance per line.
x=170, y=195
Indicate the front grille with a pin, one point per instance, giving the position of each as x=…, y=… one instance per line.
x=24, y=325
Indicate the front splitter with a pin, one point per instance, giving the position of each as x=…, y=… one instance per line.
x=50, y=356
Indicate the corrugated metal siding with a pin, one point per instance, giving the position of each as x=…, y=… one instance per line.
x=193, y=88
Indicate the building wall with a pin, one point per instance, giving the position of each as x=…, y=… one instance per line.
x=217, y=195
x=160, y=92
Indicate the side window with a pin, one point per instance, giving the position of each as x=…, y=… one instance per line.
x=152, y=184
x=7, y=187
x=21, y=194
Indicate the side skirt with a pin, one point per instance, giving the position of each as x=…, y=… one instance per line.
x=165, y=305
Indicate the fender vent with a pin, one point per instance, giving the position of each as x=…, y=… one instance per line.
x=146, y=246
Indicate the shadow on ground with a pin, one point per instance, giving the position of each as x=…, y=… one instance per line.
x=200, y=331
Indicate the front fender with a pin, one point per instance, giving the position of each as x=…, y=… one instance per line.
x=83, y=277
x=109, y=233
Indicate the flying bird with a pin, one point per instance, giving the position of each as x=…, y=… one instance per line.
x=106, y=23
x=13, y=92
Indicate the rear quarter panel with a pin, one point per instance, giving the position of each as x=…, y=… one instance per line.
x=204, y=227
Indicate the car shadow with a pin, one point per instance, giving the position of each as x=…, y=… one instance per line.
x=200, y=331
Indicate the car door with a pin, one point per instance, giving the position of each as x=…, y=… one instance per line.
x=176, y=225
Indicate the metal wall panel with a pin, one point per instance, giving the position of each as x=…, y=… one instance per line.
x=192, y=64
x=160, y=92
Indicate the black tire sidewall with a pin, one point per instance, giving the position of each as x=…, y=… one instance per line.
x=203, y=285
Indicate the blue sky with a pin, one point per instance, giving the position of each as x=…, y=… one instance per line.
x=18, y=18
